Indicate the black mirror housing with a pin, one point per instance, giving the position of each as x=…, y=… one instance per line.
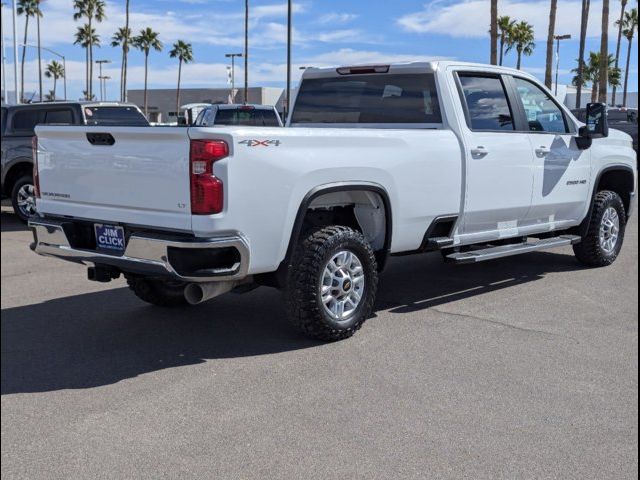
x=597, y=123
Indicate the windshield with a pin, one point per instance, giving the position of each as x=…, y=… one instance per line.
x=247, y=117
x=369, y=99
x=114, y=116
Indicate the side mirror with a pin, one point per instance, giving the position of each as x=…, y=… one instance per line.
x=597, y=124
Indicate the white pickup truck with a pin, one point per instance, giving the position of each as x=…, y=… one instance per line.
x=476, y=161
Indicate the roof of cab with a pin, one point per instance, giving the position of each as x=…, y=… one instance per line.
x=411, y=67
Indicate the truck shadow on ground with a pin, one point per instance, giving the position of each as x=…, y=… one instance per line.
x=9, y=223
x=97, y=339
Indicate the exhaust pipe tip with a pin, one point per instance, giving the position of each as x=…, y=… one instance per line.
x=194, y=294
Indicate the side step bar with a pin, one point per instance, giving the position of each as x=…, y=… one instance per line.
x=501, y=251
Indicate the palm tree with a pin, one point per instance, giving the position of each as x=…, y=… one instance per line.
x=91, y=10
x=548, y=70
x=144, y=42
x=604, y=53
x=494, y=32
x=522, y=38
x=86, y=37
x=505, y=26
x=620, y=28
x=630, y=26
x=591, y=73
x=584, y=20
x=184, y=53
x=54, y=70
x=121, y=39
x=126, y=54
x=28, y=8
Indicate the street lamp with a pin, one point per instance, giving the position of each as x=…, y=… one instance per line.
x=103, y=85
x=557, y=39
x=233, y=56
x=4, y=66
x=100, y=63
x=289, y=20
x=15, y=52
x=246, y=50
x=64, y=63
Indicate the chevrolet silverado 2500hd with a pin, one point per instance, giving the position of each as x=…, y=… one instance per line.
x=476, y=161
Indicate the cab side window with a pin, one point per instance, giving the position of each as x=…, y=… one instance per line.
x=487, y=103
x=24, y=121
x=543, y=114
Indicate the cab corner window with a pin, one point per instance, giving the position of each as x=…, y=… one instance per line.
x=487, y=103
x=543, y=114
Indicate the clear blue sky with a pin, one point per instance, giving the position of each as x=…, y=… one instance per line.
x=327, y=32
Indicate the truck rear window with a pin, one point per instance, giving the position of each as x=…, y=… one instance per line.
x=368, y=99
x=114, y=116
x=251, y=118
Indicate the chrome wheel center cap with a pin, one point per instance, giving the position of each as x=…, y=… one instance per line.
x=342, y=285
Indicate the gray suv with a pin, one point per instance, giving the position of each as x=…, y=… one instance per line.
x=18, y=123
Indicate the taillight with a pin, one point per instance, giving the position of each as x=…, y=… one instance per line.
x=207, y=190
x=36, y=176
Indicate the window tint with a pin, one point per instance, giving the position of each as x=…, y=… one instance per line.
x=115, y=116
x=392, y=99
x=543, y=114
x=59, y=116
x=253, y=118
x=486, y=103
x=25, y=121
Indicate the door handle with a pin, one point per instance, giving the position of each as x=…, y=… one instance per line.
x=542, y=151
x=479, y=152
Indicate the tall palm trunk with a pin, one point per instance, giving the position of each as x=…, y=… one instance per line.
x=86, y=72
x=548, y=71
x=90, y=72
x=519, y=58
x=125, y=51
x=604, y=53
x=586, y=4
x=494, y=32
x=146, y=69
x=39, y=59
x=624, y=5
x=55, y=81
x=594, y=92
x=178, y=91
x=502, y=39
x=24, y=54
x=626, y=74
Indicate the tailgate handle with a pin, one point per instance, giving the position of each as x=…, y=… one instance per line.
x=100, y=138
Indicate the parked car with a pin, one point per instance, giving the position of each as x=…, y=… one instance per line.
x=476, y=161
x=18, y=123
x=625, y=119
x=237, y=115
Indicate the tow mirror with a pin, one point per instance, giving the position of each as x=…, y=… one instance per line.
x=597, y=124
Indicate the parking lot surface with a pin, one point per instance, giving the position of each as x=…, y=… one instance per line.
x=519, y=368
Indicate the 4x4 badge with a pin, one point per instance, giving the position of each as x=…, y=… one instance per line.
x=260, y=143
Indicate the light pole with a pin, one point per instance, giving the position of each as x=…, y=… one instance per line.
x=4, y=65
x=103, y=86
x=233, y=56
x=246, y=51
x=289, y=20
x=558, y=38
x=100, y=63
x=15, y=51
x=64, y=63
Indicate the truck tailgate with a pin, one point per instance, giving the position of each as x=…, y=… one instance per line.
x=140, y=179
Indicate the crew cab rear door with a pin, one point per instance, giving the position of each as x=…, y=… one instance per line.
x=499, y=161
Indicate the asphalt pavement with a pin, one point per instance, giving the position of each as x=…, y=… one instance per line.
x=520, y=368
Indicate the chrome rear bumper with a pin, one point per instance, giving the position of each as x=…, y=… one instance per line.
x=146, y=253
